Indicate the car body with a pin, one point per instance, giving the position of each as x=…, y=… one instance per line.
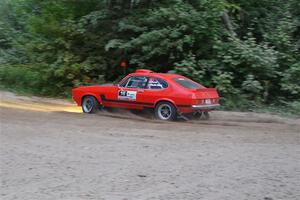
x=146, y=89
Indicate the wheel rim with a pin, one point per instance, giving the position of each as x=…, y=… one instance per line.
x=164, y=111
x=87, y=105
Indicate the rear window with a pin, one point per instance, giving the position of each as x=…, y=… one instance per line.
x=187, y=83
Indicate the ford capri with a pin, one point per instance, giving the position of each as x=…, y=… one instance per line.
x=168, y=95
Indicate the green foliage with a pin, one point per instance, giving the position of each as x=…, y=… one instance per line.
x=291, y=80
x=21, y=76
x=251, y=85
x=248, y=50
x=224, y=83
x=293, y=107
x=161, y=43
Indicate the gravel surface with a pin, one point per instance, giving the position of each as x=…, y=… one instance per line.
x=48, y=150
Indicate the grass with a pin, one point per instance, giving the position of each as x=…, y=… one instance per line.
x=29, y=92
x=290, y=110
x=17, y=90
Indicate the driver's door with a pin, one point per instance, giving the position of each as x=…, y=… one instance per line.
x=128, y=93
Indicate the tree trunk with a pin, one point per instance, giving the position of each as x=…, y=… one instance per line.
x=228, y=24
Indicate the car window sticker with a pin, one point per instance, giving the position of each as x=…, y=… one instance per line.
x=154, y=84
x=127, y=95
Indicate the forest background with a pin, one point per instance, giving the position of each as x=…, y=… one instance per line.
x=247, y=49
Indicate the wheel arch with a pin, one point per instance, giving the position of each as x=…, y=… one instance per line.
x=165, y=100
x=90, y=94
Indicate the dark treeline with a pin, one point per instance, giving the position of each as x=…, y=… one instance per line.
x=248, y=49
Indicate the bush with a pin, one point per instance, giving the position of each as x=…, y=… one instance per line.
x=22, y=78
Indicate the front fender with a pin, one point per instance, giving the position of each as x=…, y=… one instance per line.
x=79, y=95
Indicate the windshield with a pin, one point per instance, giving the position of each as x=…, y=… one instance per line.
x=187, y=83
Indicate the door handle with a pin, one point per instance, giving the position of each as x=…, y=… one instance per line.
x=140, y=91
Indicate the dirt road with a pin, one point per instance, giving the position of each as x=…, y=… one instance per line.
x=49, y=150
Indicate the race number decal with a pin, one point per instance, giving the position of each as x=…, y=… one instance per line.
x=127, y=95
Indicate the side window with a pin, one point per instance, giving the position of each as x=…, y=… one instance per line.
x=137, y=82
x=156, y=84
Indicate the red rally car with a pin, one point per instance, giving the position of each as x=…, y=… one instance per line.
x=169, y=95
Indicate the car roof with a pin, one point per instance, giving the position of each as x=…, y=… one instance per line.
x=143, y=72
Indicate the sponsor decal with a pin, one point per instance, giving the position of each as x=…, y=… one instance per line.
x=127, y=95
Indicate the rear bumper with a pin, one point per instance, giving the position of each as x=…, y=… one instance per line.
x=197, y=107
x=207, y=106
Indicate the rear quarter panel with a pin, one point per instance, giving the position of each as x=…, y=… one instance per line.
x=173, y=94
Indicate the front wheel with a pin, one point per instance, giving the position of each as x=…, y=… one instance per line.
x=165, y=111
x=90, y=104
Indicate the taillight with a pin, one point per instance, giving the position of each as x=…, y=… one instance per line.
x=208, y=101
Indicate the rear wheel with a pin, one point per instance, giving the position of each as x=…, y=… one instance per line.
x=90, y=104
x=165, y=111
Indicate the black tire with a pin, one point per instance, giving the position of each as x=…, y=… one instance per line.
x=90, y=105
x=165, y=111
x=196, y=116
